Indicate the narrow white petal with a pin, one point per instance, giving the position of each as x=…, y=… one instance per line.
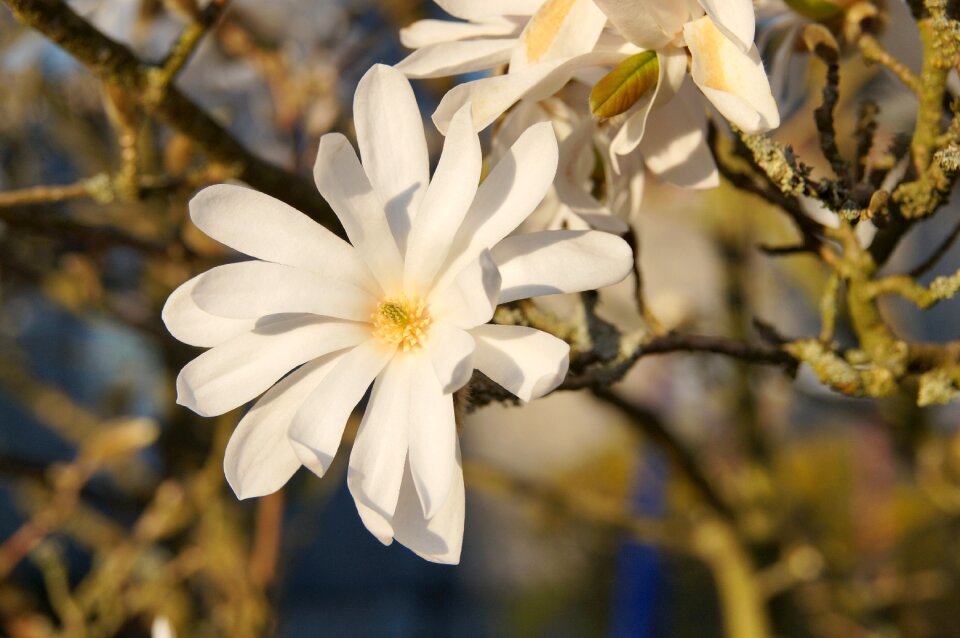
x=471, y=298
x=344, y=184
x=455, y=58
x=559, y=30
x=318, y=426
x=259, y=459
x=445, y=205
x=424, y=33
x=732, y=80
x=393, y=148
x=450, y=350
x=261, y=288
x=192, y=325
x=735, y=18
x=647, y=24
x=560, y=261
x=235, y=372
x=514, y=188
x=479, y=11
x=440, y=538
x=258, y=225
x=375, y=522
x=432, y=439
x=675, y=147
x=527, y=362
x=380, y=450
x=492, y=96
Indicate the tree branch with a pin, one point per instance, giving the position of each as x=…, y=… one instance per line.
x=117, y=65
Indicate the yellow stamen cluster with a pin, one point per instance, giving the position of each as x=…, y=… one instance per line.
x=401, y=322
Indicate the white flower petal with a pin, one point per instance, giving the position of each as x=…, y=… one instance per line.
x=424, y=33
x=318, y=426
x=258, y=225
x=492, y=96
x=732, y=80
x=432, y=439
x=344, y=184
x=527, y=362
x=559, y=30
x=560, y=261
x=648, y=24
x=380, y=450
x=259, y=459
x=192, y=325
x=480, y=11
x=514, y=188
x=735, y=18
x=455, y=58
x=375, y=522
x=675, y=146
x=440, y=538
x=576, y=163
x=235, y=372
x=393, y=148
x=471, y=298
x=450, y=350
x=445, y=204
x=261, y=288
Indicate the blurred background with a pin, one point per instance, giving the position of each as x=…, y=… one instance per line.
x=585, y=517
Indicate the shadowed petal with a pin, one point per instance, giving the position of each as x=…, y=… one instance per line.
x=393, y=148
x=229, y=375
x=343, y=183
x=560, y=261
x=318, y=426
x=380, y=450
x=258, y=225
x=447, y=201
x=515, y=186
x=732, y=80
x=432, y=438
x=259, y=459
x=192, y=325
x=527, y=362
x=260, y=288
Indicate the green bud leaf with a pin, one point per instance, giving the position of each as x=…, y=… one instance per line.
x=620, y=89
x=815, y=9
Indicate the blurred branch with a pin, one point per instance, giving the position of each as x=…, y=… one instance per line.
x=941, y=250
x=44, y=195
x=116, y=64
x=654, y=430
x=588, y=505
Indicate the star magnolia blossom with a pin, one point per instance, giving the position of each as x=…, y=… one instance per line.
x=404, y=306
x=548, y=43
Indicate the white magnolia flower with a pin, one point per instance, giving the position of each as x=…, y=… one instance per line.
x=548, y=43
x=404, y=306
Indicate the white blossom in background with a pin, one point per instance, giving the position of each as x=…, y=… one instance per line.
x=546, y=44
x=571, y=202
x=779, y=39
x=404, y=306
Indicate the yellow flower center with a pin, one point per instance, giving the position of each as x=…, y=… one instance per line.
x=401, y=322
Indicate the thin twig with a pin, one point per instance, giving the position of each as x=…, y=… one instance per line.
x=873, y=51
